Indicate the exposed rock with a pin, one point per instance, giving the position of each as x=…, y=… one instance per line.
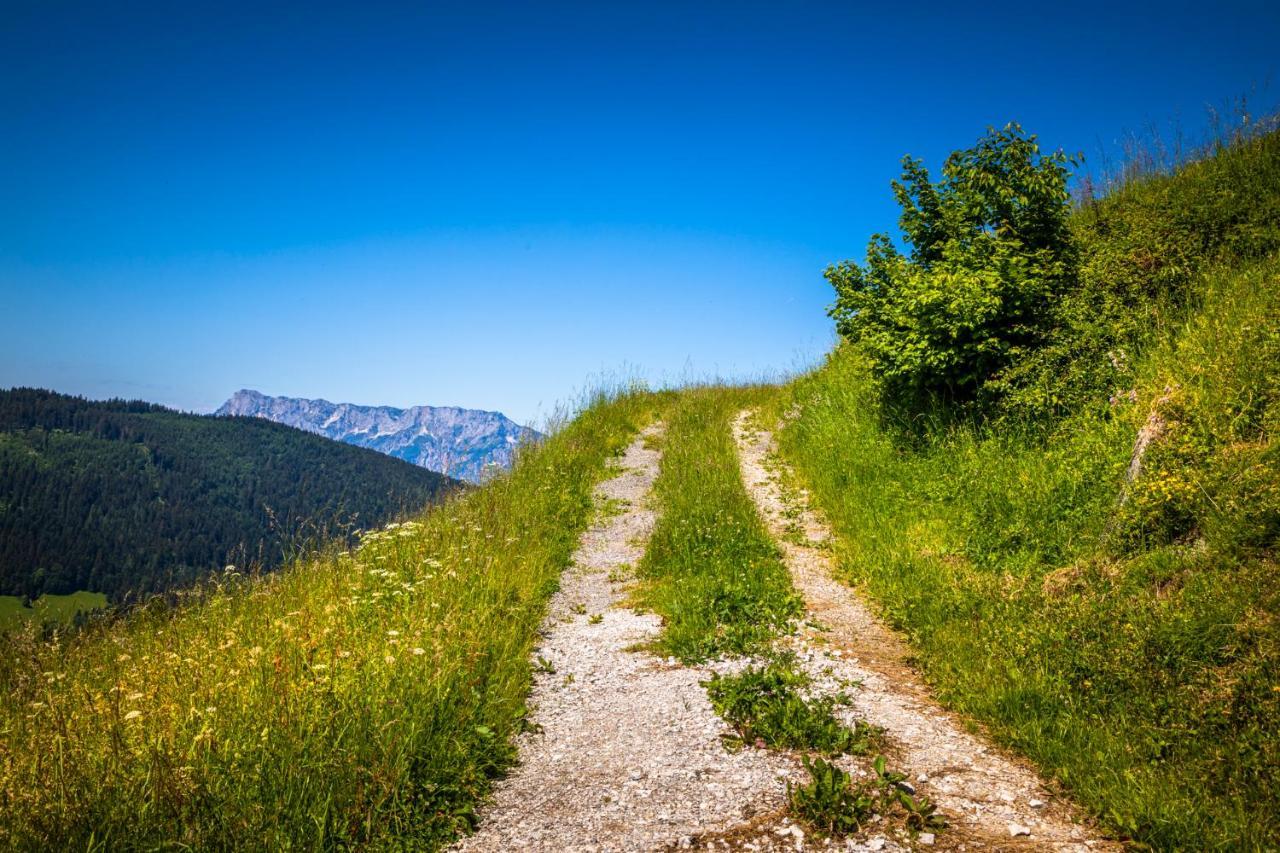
x=1151, y=430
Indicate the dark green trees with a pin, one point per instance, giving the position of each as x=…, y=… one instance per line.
x=131, y=499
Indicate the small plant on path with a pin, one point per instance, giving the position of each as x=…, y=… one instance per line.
x=765, y=707
x=832, y=803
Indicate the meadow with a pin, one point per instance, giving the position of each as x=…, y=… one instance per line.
x=1080, y=545
x=48, y=608
x=356, y=698
x=1112, y=619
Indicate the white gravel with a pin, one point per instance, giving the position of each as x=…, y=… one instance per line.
x=629, y=756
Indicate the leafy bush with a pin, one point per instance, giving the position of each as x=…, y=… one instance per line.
x=1143, y=253
x=990, y=251
x=764, y=705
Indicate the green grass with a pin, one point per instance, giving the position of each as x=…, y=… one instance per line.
x=711, y=570
x=1121, y=634
x=49, y=609
x=361, y=699
x=766, y=707
x=1127, y=644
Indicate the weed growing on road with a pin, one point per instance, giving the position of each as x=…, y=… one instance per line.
x=766, y=707
x=833, y=803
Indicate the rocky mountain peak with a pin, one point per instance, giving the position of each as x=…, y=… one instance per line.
x=459, y=442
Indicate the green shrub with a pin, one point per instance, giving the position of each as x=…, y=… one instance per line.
x=1143, y=252
x=990, y=251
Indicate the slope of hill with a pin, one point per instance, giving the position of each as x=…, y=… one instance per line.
x=1091, y=570
x=462, y=443
x=131, y=498
x=357, y=698
x=1079, y=554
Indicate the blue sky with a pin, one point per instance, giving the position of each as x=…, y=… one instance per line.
x=495, y=205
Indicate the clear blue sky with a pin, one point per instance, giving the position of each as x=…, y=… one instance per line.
x=489, y=204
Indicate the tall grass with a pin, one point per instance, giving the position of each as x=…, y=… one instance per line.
x=711, y=570
x=361, y=698
x=1123, y=637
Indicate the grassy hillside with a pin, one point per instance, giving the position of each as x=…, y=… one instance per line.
x=130, y=499
x=50, y=609
x=1115, y=623
x=360, y=698
x=1077, y=527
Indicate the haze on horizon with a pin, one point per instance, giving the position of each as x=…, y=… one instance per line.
x=489, y=206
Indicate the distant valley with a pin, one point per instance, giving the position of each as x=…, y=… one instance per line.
x=461, y=443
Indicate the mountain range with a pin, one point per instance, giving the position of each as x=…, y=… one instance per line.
x=462, y=443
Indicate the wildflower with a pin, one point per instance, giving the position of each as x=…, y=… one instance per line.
x=393, y=633
x=390, y=659
x=418, y=650
x=132, y=715
x=123, y=658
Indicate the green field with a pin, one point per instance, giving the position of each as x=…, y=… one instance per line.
x=48, y=608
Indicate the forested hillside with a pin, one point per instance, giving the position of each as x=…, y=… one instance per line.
x=129, y=498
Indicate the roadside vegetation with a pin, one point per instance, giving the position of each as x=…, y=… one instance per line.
x=360, y=698
x=767, y=707
x=711, y=571
x=1053, y=464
